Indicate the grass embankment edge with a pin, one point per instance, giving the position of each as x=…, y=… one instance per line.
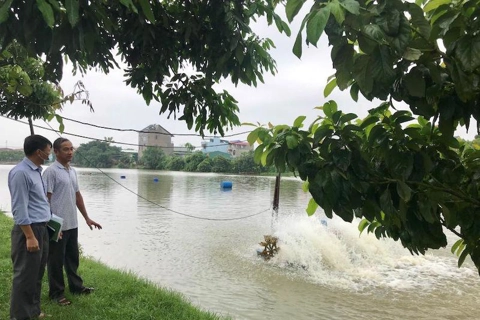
x=118, y=294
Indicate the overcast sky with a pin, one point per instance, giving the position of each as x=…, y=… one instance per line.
x=295, y=90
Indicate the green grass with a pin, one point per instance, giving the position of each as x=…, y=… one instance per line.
x=118, y=295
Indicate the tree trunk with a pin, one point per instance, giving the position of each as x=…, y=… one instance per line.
x=31, y=126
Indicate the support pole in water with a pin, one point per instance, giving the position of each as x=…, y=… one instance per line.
x=276, y=197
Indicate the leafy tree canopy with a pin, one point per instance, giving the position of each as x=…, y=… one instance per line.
x=153, y=158
x=175, y=163
x=407, y=181
x=23, y=91
x=155, y=40
x=97, y=154
x=193, y=160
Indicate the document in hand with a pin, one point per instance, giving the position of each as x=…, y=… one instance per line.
x=55, y=224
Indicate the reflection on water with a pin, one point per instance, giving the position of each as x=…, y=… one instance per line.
x=322, y=272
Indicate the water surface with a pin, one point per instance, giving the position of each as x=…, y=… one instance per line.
x=321, y=272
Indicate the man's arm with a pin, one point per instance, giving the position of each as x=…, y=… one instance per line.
x=19, y=191
x=32, y=242
x=83, y=211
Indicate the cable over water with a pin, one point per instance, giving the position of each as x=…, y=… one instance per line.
x=160, y=206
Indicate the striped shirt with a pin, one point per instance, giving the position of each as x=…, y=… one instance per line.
x=29, y=199
x=62, y=183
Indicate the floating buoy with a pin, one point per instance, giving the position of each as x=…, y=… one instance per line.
x=226, y=184
x=122, y=177
x=155, y=179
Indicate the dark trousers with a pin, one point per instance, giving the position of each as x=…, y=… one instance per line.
x=28, y=270
x=64, y=254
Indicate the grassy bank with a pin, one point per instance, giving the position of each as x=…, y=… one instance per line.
x=118, y=295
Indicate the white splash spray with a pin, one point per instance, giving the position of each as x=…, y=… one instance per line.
x=335, y=255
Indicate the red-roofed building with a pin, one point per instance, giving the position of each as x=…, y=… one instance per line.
x=237, y=148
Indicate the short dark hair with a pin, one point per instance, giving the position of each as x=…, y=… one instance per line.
x=58, y=143
x=35, y=142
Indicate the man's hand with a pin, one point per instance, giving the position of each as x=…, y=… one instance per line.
x=92, y=224
x=32, y=244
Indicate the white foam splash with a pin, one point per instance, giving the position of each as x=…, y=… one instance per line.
x=335, y=255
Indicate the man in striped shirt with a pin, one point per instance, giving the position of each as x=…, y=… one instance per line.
x=65, y=197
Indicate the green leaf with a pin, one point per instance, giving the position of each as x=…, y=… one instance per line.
x=312, y=207
x=330, y=108
x=434, y=4
x=329, y=87
x=305, y=186
x=418, y=20
x=61, y=128
x=412, y=54
x=55, y=4
x=368, y=121
x=354, y=91
x=292, y=142
x=456, y=245
x=402, y=38
x=129, y=4
x=47, y=12
x=298, y=123
x=257, y=156
x=404, y=191
x=352, y=6
x=403, y=119
x=363, y=224
x=468, y=52
x=376, y=134
x=147, y=10
x=285, y=28
x=4, y=10
x=361, y=74
x=292, y=8
x=297, y=47
x=382, y=66
x=386, y=203
x=252, y=137
x=321, y=133
x=316, y=24
x=337, y=11
x=348, y=117
x=263, y=159
x=461, y=260
x=72, y=7
x=374, y=32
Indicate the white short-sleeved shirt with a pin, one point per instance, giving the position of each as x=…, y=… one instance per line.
x=62, y=183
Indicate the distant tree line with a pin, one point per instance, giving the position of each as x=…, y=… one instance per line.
x=11, y=156
x=155, y=158
x=101, y=154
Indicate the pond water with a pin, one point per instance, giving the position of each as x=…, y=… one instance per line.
x=321, y=271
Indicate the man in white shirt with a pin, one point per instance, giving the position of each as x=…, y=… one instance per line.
x=65, y=197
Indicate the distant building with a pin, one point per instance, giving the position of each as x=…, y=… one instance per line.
x=215, y=144
x=233, y=149
x=237, y=148
x=181, y=151
x=155, y=136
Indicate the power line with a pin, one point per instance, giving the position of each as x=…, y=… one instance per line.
x=105, y=140
x=160, y=206
x=147, y=131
